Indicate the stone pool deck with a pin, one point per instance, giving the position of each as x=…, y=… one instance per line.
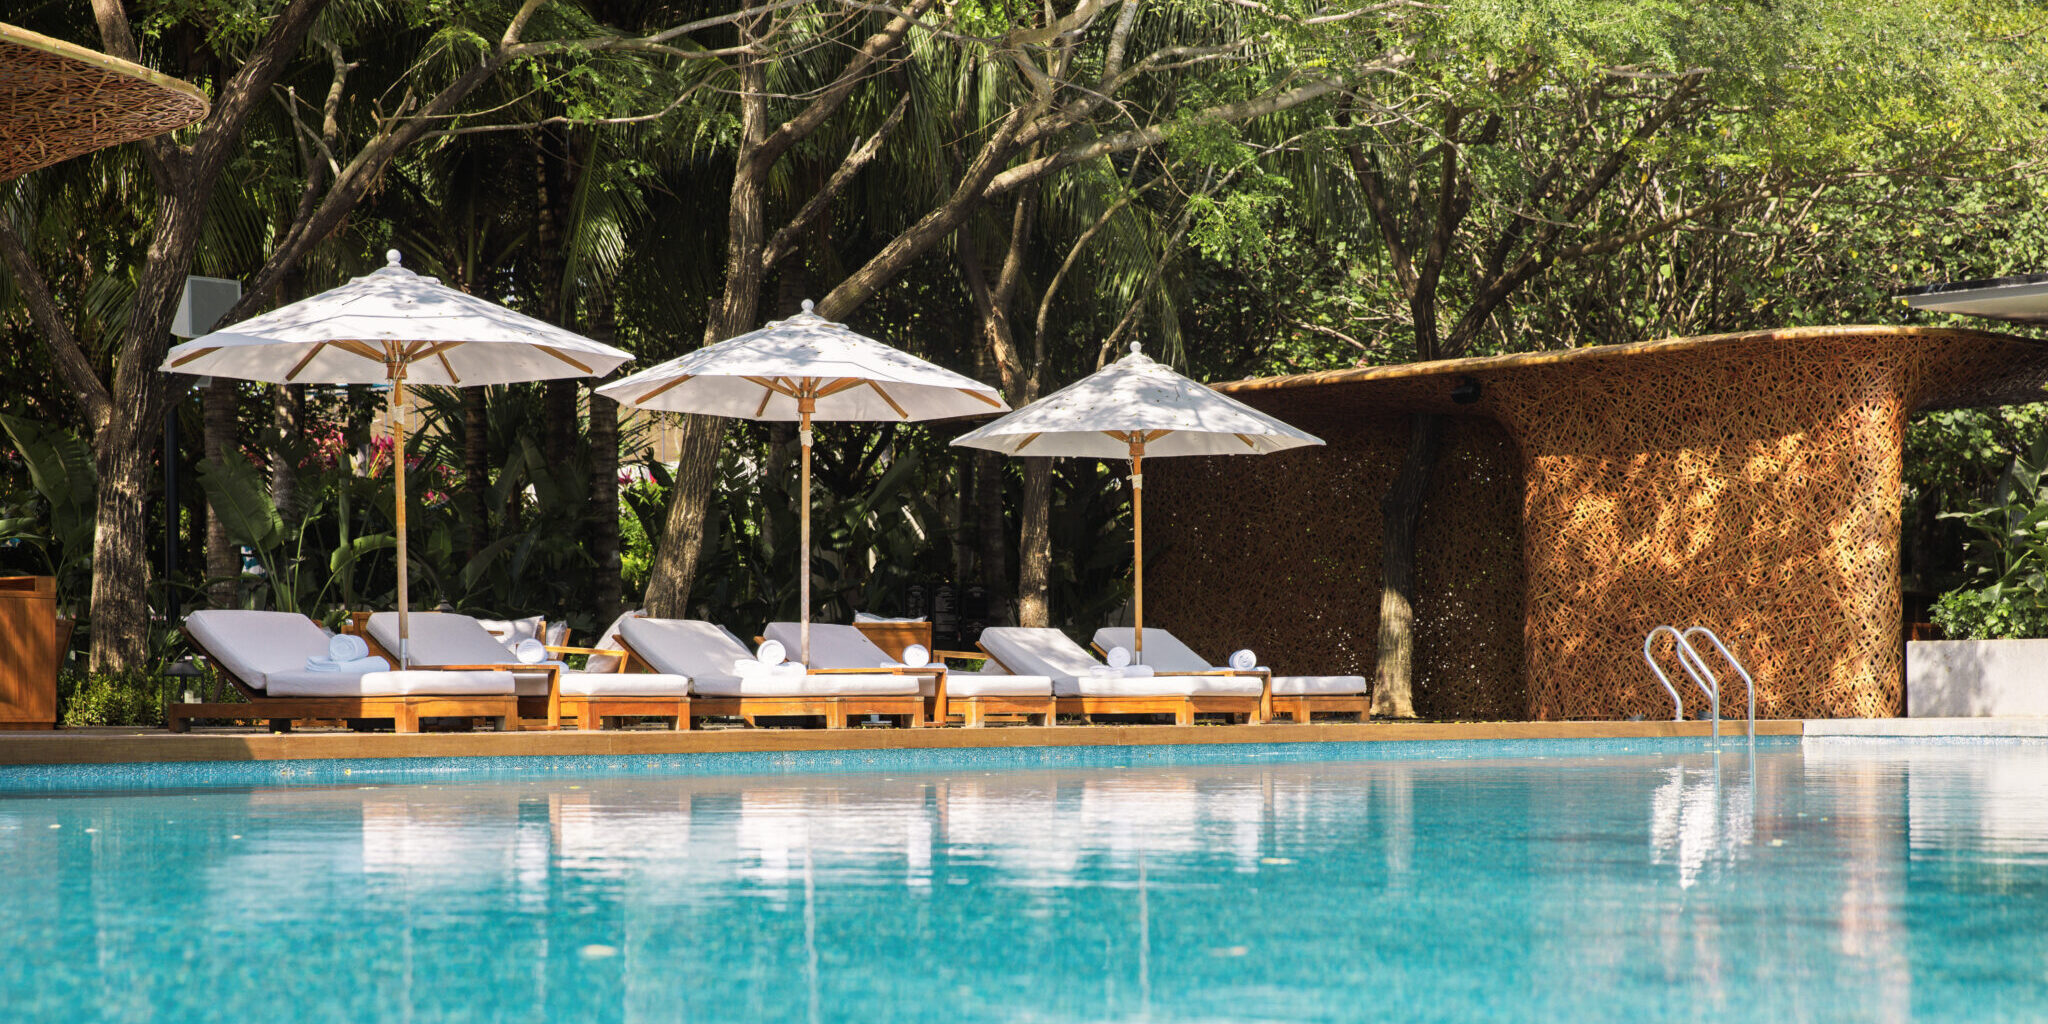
x=128, y=746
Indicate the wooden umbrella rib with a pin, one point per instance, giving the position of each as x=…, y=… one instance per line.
x=300, y=366
x=564, y=358
x=1028, y=438
x=189, y=356
x=1156, y=435
x=667, y=384
x=358, y=348
x=441, y=353
x=848, y=384
x=971, y=393
x=1248, y=442
x=766, y=394
x=885, y=397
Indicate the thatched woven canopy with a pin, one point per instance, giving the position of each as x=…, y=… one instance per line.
x=58, y=100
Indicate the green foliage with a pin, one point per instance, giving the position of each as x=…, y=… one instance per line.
x=61, y=469
x=103, y=698
x=2008, y=597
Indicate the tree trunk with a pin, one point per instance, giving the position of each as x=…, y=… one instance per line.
x=223, y=561
x=120, y=548
x=287, y=427
x=1034, y=548
x=689, y=504
x=995, y=540
x=676, y=558
x=1393, y=692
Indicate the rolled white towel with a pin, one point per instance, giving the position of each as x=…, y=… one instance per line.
x=530, y=651
x=1118, y=657
x=347, y=647
x=916, y=656
x=352, y=667
x=771, y=653
x=1244, y=660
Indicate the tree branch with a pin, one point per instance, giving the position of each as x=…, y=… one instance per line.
x=72, y=364
x=783, y=242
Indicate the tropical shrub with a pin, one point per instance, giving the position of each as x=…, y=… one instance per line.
x=2007, y=597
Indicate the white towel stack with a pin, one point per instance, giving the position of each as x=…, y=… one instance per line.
x=348, y=655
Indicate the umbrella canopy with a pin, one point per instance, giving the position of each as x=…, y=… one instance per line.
x=805, y=368
x=59, y=100
x=1130, y=409
x=394, y=326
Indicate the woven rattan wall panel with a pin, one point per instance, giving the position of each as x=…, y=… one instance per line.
x=1752, y=490
x=1281, y=554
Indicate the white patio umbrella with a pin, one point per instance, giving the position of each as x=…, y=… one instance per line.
x=394, y=326
x=805, y=368
x=1130, y=409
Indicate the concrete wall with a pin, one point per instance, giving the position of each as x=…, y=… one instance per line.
x=1976, y=678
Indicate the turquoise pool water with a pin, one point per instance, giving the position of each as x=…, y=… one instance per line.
x=1472, y=882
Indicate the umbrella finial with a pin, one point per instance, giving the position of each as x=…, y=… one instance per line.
x=390, y=257
x=1137, y=348
x=807, y=305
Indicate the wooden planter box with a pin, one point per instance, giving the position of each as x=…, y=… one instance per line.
x=29, y=651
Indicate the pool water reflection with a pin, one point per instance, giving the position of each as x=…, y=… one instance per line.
x=1847, y=881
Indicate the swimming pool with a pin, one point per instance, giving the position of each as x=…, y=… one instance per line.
x=1560, y=880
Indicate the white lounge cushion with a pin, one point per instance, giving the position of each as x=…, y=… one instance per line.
x=1165, y=686
x=1165, y=652
x=445, y=638
x=608, y=641
x=624, y=684
x=706, y=652
x=777, y=685
x=415, y=683
x=980, y=684
x=1318, y=686
x=684, y=647
x=836, y=646
x=511, y=631
x=251, y=645
x=1049, y=652
x=832, y=646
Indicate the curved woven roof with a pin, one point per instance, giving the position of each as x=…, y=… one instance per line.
x=1971, y=367
x=59, y=100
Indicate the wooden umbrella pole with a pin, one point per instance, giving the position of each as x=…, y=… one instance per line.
x=805, y=405
x=1138, y=539
x=398, y=478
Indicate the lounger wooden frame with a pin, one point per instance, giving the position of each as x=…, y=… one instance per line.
x=975, y=711
x=405, y=712
x=835, y=710
x=1256, y=710
x=1302, y=709
x=548, y=706
x=590, y=710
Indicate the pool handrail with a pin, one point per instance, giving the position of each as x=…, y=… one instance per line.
x=1748, y=683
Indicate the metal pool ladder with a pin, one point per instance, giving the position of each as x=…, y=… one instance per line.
x=1696, y=668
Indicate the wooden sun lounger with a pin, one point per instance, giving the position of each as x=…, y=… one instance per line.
x=1183, y=707
x=590, y=711
x=835, y=710
x=548, y=706
x=1300, y=709
x=975, y=710
x=405, y=712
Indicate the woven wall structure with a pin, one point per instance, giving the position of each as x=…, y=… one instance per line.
x=58, y=101
x=1258, y=560
x=1750, y=483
